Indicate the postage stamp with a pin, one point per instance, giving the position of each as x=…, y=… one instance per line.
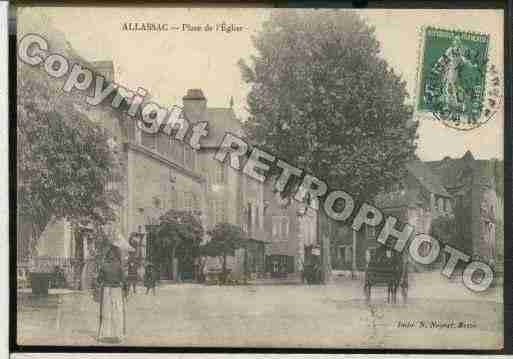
x=453, y=77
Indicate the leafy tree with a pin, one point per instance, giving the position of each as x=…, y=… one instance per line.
x=225, y=239
x=179, y=232
x=323, y=98
x=64, y=161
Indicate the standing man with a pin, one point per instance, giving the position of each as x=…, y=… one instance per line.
x=112, y=301
x=150, y=278
x=132, y=276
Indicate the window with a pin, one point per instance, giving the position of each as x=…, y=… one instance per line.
x=195, y=202
x=371, y=232
x=440, y=204
x=173, y=200
x=280, y=227
x=275, y=228
x=219, y=209
x=488, y=231
x=172, y=177
x=313, y=231
x=219, y=178
x=342, y=253
x=249, y=218
x=148, y=140
x=188, y=202
x=180, y=200
x=257, y=217
x=345, y=253
x=421, y=221
x=370, y=253
x=285, y=227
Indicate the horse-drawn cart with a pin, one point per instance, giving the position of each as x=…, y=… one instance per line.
x=388, y=269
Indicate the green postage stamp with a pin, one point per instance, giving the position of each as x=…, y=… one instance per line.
x=453, y=73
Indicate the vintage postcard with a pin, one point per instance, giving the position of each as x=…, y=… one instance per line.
x=260, y=178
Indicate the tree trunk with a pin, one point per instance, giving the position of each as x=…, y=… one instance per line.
x=224, y=268
x=324, y=242
x=174, y=266
x=353, y=267
x=38, y=226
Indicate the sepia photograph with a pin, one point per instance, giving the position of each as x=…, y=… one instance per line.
x=259, y=178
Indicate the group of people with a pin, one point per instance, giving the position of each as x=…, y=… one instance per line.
x=113, y=285
x=150, y=278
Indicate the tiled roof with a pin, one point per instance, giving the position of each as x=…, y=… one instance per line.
x=194, y=94
x=220, y=121
x=450, y=171
x=431, y=182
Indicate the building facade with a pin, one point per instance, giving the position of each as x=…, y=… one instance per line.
x=462, y=191
x=291, y=231
x=477, y=200
x=231, y=196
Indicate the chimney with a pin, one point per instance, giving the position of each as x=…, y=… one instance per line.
x=104, y=68
x=195, y=105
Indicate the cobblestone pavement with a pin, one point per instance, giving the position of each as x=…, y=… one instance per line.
x=334, y=315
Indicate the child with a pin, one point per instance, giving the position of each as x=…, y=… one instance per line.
x=149, y=278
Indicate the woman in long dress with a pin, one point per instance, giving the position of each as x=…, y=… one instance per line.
x=112, y=303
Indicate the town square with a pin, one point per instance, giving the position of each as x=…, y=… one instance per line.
x=286, y=179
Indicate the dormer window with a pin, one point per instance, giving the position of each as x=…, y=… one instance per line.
x=448, y=205
x=440, y=204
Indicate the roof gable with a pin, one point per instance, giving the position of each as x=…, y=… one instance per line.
x=220, y=121
x=426, y=178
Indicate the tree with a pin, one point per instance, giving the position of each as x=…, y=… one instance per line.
x=179, y=232
x=64, y=161
x=323, y=98
x=225, y=239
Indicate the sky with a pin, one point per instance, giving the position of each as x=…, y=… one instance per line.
x=169, y=63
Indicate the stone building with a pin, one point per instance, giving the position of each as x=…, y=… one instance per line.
x=463, y=190
x=159, y=173
x=291, y=232
x=231, y=196
x=475, y=187
x=163, y=173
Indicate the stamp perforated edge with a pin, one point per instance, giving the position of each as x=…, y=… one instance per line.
x=421, y=34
